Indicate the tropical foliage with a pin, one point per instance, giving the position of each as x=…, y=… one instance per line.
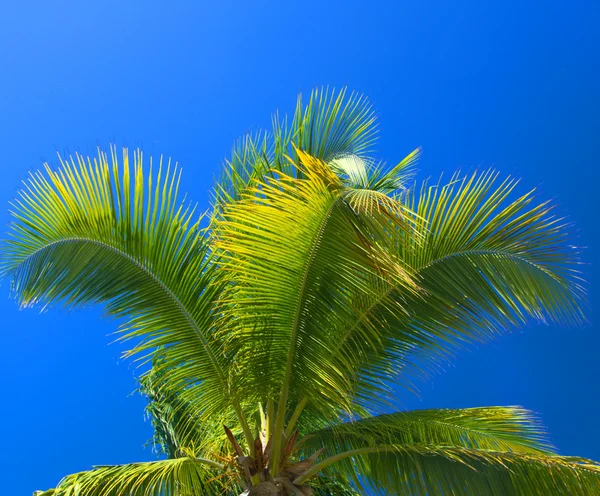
x=276, y=327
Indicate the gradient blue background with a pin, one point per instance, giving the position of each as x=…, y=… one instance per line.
x=509, y=84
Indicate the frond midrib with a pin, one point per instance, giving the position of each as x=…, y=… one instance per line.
x=449, y=425
x=144, y=269
x=503, y=253
x=450, y=256
x=281, y=409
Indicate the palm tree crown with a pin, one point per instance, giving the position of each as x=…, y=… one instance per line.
x=278, y=325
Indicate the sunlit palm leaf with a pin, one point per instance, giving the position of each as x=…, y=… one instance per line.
x=91, y=232
x=296, y=248
x=332, y=124
x=177, y=477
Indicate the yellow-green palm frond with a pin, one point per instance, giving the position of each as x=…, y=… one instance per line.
x=488, y=262
x=99, y=231
x=185, y=476
x=297, y=252
x=490, y=450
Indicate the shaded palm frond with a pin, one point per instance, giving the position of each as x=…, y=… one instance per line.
x=330, y=486
x=178, y=426
x=431, y=470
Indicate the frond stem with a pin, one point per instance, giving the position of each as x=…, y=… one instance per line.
x=281, y=407
x=336, y=458
x=297, y=412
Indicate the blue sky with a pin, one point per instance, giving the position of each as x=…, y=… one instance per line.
x=504, y=84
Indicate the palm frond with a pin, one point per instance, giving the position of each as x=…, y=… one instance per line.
x=295, y=249
x=489, y=450
x=431, y=470
x=331, y=125
x=175, y=477
x=95, y=231
x=484, y=263
x=491, y=428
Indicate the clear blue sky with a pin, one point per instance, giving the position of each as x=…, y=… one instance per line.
x=509, y=84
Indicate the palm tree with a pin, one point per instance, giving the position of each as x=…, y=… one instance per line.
x=281, y=324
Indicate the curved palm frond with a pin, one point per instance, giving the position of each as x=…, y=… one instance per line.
x=490, y=450
x=439, y=470
x=294, y=248
x=93, y=232
x=484, y=263
x=179, y=427
x=491, y=428
x=179, y=477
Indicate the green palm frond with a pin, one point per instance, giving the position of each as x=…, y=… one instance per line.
x=331, y=125
x=184, y=476
x=488, y=263
x=179, y=426
x=99, y=232
x=176, y=424
x=180, y=477
x=489, y=450
x=430, y=470
x=295, y=248
x=484, y=262
x=330, y=486
x=491, y=428
x=498, y=429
